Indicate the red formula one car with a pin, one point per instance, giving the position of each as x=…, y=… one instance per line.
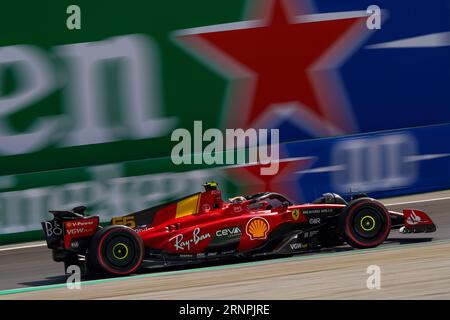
x=202, y=227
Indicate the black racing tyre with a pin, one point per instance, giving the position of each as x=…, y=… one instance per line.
x=115, y=250
x=364, y=223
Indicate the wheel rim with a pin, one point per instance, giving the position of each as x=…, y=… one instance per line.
x=368, y=223
x=119, y=251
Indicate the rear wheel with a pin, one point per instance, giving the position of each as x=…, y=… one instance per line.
x=115, y=250
x=365, y=223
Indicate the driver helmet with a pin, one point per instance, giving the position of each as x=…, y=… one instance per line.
x=213, y=188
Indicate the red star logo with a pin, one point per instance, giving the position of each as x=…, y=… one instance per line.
x=283, y=65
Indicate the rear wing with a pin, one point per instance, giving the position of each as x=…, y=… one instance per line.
x=69, y=230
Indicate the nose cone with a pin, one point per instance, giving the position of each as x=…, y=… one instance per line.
x=417, y=221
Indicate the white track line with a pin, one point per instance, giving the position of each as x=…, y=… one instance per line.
x=417, y=201
x=23, y=247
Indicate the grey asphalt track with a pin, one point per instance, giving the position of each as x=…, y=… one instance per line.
x=31, y=267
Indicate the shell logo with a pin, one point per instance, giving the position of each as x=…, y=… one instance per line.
x=257, y=228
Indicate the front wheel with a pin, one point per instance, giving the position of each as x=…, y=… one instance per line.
x=365, y=223
x=115, y=250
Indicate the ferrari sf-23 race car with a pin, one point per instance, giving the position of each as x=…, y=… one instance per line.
x=202, y=227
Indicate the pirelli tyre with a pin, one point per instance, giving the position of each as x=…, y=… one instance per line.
x=365, y=223
x=115, y=250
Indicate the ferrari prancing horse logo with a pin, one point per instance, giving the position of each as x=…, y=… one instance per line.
x=295, y=214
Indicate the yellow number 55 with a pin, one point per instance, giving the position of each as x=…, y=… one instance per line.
x=125, y=221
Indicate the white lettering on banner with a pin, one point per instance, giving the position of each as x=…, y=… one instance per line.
x=88, y=119
x=136, y=55
x=374, y=163
x=34, y=75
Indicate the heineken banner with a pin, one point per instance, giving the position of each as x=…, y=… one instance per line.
x=116, y=105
